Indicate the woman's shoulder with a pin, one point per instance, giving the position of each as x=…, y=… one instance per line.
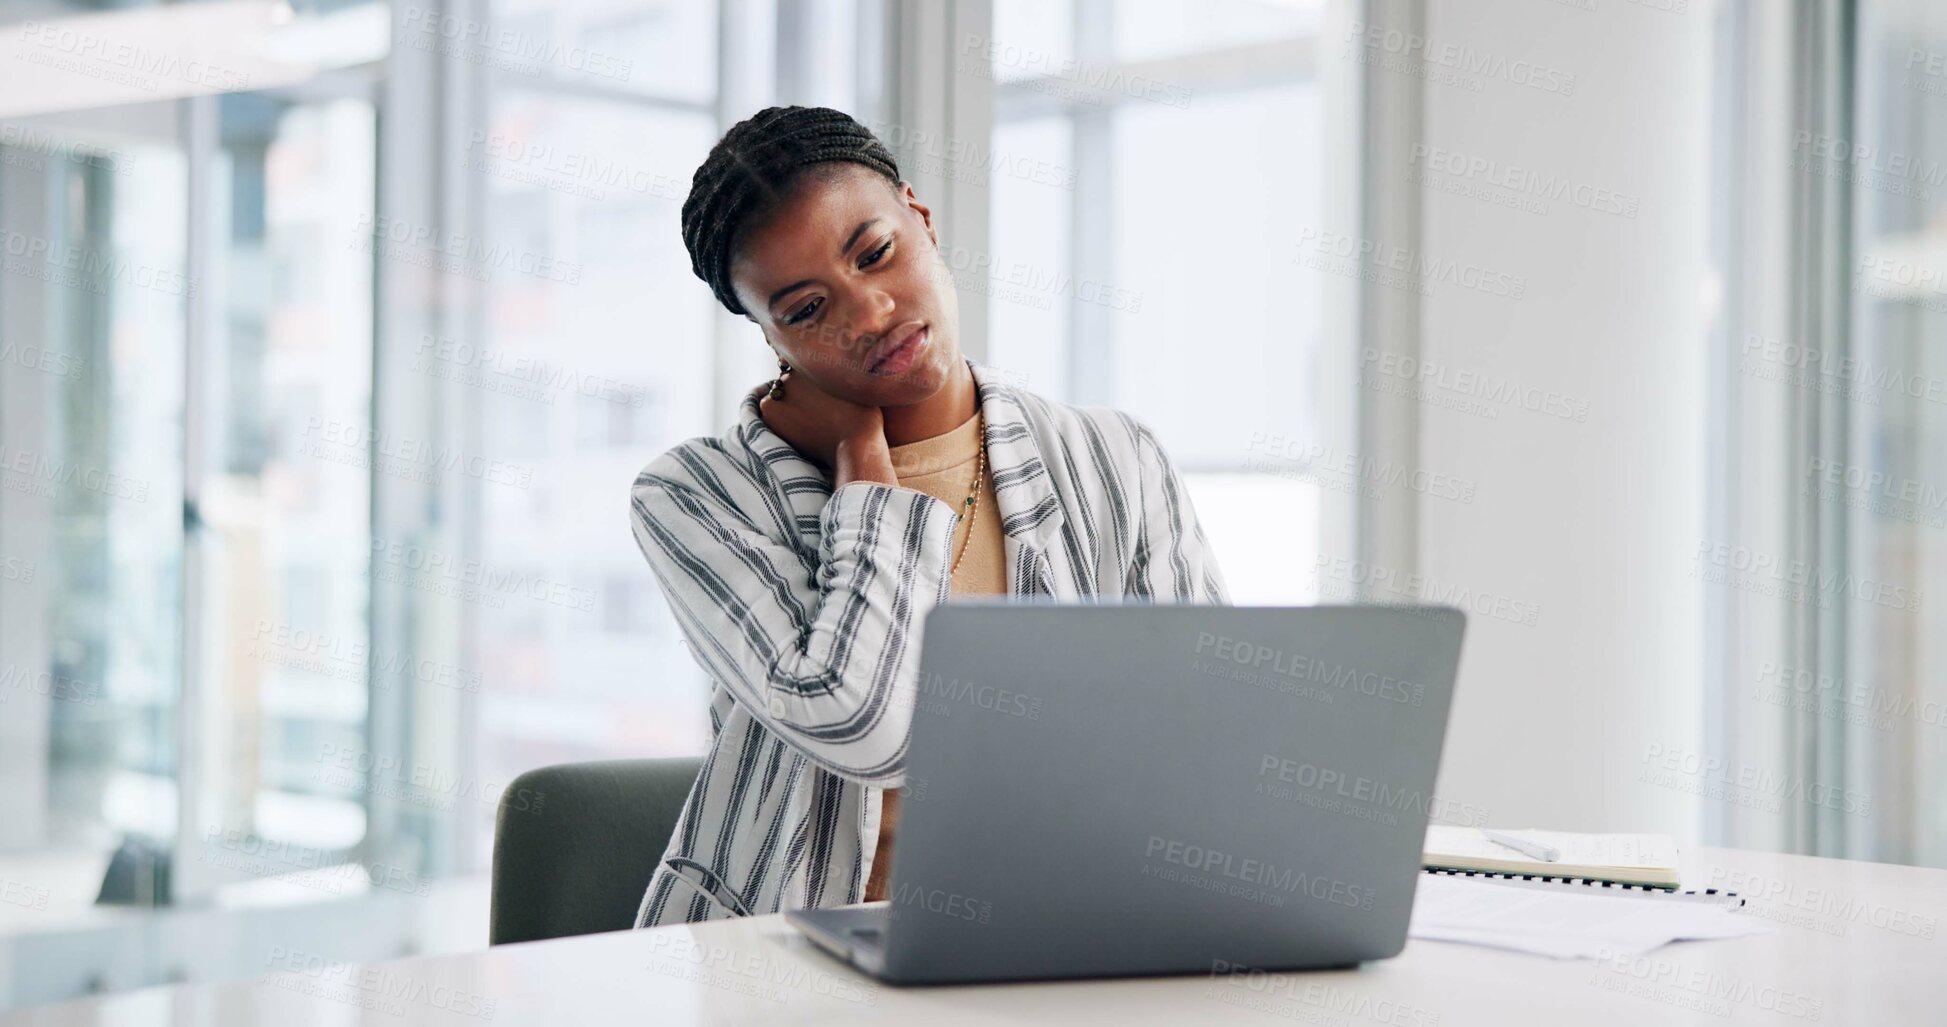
x=1062, y=418
x=1062, y=426
x=705, y=464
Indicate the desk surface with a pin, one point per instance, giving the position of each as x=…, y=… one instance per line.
x=1853, y=943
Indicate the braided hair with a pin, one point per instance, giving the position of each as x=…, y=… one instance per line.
x=753, y=168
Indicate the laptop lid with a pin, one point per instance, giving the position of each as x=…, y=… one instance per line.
x=1114, y=789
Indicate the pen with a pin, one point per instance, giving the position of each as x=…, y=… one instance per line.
x=1545, y=853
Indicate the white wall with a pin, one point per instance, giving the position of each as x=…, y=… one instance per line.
x=1594, y=524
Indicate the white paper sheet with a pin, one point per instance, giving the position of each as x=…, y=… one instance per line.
x=1565, y=924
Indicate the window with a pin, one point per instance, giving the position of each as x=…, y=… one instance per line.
x=91, y=545
x=590, y=372
x=1109, y=284
x=1832, y=475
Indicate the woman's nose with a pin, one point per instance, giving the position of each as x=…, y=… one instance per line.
x=876, y=310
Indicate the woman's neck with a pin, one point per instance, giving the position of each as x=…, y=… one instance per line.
x=937, y=414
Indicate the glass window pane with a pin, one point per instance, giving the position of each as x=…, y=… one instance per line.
x=581, y=383
x=1156, y=296
x=1151, y=29
x=1030, y=38
x=1224, y=310
x=1030, y=175
x=667, y=48
x=91, y=416
x=286, y=495
x=1890, y=491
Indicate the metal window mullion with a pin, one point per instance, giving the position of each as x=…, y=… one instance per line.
x=581, y=89
x=200, y=143
x=1817, y=425
x=930, y=98
x=1387, y=522
x=1204, y=73
x=1091, y=221
x=1723, y=501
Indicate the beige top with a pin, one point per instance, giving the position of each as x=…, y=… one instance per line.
x=943, y=467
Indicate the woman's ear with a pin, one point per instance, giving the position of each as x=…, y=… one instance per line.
x=925, y=212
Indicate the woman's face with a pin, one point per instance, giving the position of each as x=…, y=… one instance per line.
x=846, y=281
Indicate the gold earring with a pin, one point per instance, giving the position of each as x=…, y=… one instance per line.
x=777, y=384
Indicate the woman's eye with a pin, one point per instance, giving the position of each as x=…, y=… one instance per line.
x=873, y=257
x=803, y=312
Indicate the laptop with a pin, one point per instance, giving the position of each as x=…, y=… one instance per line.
x=1128, y=789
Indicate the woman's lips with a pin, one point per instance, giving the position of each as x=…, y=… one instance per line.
x=905, y=355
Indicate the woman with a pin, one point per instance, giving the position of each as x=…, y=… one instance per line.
x=878, y=474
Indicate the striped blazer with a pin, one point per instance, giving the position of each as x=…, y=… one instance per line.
x=803, y=605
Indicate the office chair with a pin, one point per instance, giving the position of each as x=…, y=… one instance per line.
x=574, y=845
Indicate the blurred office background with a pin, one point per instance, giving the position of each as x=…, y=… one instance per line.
x=332, y=335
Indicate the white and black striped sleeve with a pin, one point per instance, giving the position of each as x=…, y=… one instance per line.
x=825, y=656
x=1172, y=560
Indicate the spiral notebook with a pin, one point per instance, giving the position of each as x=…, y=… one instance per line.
x=1642, y=864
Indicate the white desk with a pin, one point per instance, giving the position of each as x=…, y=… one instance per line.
x=1855, y=943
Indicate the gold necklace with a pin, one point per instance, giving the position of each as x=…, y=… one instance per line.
x=972, y=502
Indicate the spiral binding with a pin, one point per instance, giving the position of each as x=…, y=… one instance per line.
x=1707, y=893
